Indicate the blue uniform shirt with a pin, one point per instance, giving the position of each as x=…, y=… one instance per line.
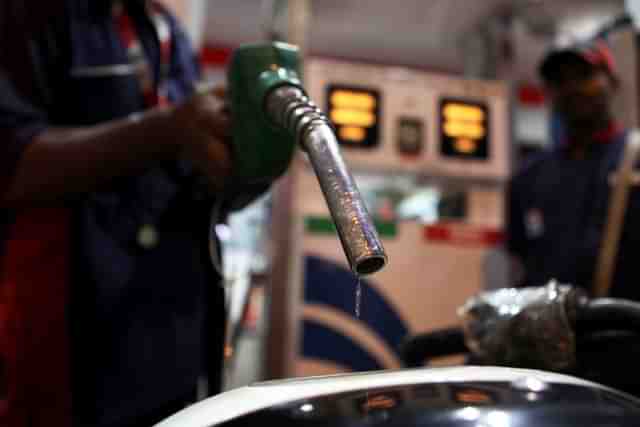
x=557, y=211
x=137, y=315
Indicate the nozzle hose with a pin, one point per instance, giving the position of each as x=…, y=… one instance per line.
x=289, y=107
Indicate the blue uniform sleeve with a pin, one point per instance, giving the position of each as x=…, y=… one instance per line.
x=20, y=122
x=24, y=76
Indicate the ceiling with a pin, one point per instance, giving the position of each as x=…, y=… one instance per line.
x=431, y=34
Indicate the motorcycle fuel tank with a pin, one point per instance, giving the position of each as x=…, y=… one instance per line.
x=444, y=397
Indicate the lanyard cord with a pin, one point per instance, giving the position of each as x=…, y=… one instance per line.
x=154, y=94
x=157, y=95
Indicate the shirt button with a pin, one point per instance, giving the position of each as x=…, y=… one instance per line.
x=148, y=236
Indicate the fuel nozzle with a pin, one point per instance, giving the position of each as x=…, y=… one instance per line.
x=288, y=106
x=269, y=104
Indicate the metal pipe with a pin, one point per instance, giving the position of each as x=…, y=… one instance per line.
x=289, y=107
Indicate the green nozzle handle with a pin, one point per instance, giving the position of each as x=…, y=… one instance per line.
x=262, y=151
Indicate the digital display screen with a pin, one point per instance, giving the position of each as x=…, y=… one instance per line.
x=355, y=113
x=464, y=129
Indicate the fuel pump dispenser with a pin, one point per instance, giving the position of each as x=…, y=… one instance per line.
x=431, y=155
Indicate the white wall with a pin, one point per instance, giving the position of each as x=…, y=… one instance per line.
x=192, y=14
x=633, y=8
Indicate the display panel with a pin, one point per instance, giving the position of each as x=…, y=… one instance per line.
x=355, y=112
x=464, y=129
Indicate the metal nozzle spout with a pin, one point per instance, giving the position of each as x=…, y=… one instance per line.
x=357, y=232
x=289, y=107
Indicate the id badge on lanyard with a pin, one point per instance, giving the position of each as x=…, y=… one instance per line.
x=155, y=93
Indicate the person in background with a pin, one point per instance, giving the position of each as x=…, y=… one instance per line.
x=558, y=202
x=110, y=312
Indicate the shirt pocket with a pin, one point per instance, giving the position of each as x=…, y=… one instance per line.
x=102, y=93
